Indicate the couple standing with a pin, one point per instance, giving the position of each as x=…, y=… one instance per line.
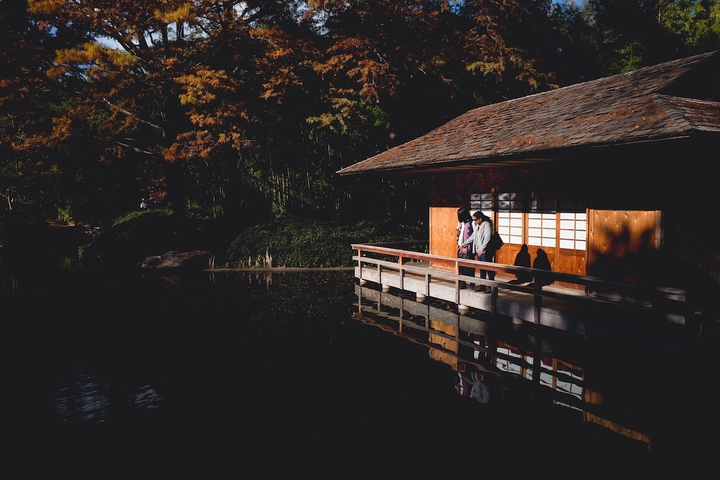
x=473, y=238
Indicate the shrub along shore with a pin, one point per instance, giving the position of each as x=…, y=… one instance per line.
x=284, y=242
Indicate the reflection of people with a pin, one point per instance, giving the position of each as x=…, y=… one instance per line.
x=472, y=386
x=542, y=263
x=522, y=259
x=479, y=241
x=479, y=391
x=143, y=205
x=464, y=232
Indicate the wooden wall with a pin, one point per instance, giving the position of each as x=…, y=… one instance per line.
x=443, y=241
x=507, y=254
x=569, y=261
x=623, y=244
x=561, y=259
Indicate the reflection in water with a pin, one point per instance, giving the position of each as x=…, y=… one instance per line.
x=83, y=397
x=492, y=363
x=472, y=386
x=269, y=372
x=82, y=400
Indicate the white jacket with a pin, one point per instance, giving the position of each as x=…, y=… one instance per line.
x=480, y=237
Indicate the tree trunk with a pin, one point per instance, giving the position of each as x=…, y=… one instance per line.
x=175, y=189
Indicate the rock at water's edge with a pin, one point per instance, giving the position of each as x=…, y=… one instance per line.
x=197, y=259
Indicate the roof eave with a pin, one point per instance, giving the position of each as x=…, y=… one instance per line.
x=516, y=160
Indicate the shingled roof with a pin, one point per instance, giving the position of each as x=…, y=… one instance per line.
x=641, y=105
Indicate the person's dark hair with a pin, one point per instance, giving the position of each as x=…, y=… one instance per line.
x=463, y=214
x=480, y=214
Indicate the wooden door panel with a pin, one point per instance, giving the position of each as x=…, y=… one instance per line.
x=443, y=241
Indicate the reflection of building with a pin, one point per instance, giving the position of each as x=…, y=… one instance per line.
x=506, y=363
x=448, y=345
x=580, y=172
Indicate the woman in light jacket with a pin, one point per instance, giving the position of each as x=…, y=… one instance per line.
x=479, y=240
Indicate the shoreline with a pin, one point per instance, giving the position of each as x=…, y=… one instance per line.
x=280, y=269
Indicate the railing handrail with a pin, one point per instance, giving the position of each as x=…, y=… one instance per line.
x=642, y=291
x=405, y=242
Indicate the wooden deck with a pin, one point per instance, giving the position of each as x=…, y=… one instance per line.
x=571, y=309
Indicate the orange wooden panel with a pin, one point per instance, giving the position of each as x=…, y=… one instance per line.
x=448, y=344
x=443, y=241
x=506, y=255
x=572, y=262
x=619, y=241
x=444, y=341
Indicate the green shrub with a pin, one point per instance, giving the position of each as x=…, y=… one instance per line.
x=296, y=242
x=290, y=241
x=65, y=214
x=139, y=234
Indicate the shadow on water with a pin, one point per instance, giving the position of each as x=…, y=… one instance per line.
x=289, y=373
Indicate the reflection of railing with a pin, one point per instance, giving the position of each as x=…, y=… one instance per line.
x=473, y=345
x=593, y=292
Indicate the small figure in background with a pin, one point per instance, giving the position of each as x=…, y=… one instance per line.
x=143, y=205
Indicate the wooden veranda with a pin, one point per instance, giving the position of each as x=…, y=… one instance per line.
x=593, y=301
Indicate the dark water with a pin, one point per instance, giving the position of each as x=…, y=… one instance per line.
x=298, y=374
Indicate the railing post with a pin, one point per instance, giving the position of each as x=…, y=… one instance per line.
x=421, y=297
x=457, y=282
x=385, y=288
x=360, y=266
x=537, y=301
x=493, y=297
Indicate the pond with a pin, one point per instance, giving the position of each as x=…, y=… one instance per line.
x=307, y=373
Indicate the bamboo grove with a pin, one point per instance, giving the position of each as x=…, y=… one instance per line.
x=242, y=109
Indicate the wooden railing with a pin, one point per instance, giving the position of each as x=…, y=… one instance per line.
x=592, y=290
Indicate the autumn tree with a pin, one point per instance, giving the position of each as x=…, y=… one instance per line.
x=240, y=104
x=405, y=67
x=439, y=57
x=26, y=97
x=163, y=80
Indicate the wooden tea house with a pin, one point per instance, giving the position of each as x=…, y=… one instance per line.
x=612, y=180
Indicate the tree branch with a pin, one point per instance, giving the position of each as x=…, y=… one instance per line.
x=130, y=114
x=136, y=149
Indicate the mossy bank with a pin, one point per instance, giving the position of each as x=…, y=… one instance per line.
x=287, y=241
